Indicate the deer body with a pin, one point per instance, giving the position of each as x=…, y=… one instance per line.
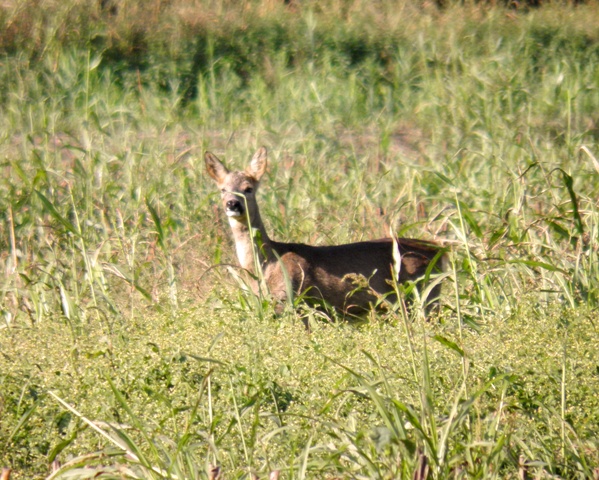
x=351, y=277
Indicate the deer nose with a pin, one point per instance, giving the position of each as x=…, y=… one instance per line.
x=234, y=208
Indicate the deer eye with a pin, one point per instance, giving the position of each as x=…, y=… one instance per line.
x=248, y=190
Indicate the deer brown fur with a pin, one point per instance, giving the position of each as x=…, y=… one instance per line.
x=332, y=274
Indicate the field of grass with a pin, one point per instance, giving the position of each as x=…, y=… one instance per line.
x=126, y=351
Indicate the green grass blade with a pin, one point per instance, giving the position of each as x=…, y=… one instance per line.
x=49, y=207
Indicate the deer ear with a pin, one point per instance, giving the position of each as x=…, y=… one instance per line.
x=258, y=164
x=215, y=167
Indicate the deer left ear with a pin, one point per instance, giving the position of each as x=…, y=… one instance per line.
x=257, y=165
x=215, y=167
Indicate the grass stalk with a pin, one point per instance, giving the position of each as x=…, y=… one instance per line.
x=13, y=243
x=239, y=425
x=563, y=399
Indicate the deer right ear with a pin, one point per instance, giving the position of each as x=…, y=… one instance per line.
x=258, y=164
x=215, y=167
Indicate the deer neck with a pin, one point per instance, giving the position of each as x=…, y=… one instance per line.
x=251, y=239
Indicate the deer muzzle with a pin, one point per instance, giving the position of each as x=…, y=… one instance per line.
x=234, y=208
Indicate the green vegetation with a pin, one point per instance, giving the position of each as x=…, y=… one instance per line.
x=473, y=124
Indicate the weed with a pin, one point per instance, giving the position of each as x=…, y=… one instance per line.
x=473, y=124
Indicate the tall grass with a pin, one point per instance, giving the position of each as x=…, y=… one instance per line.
x=472, y=124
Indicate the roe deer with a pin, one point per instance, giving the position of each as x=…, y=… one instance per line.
x=332, y=274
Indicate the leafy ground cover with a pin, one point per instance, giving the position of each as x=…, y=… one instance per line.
x=126, y=353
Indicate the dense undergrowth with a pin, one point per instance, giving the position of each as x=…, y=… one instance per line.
x=473, y=124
